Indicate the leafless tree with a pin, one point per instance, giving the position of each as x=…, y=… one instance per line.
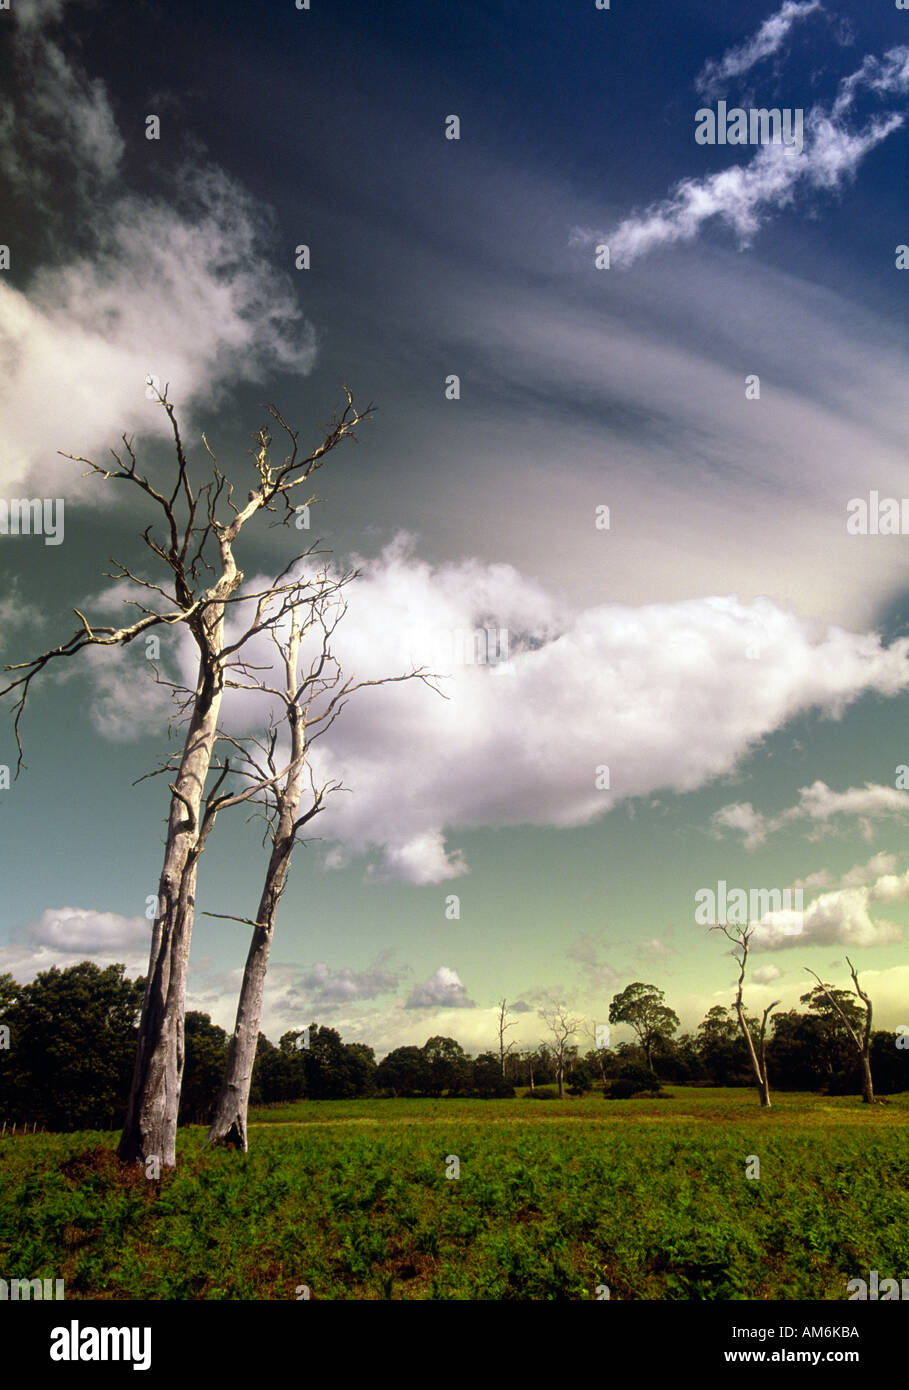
x=741, y=937
x=312, y=702
x=862, y=1044
x=504, y=1048
x=598, y=1047
x=563, y=1029
x=202, y=577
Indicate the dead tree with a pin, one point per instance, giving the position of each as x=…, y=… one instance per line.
x=201, y=527
x=562, y=1028
x=758, y=1054
x=312, y=703
x=503, y=1029
x=862, y=1044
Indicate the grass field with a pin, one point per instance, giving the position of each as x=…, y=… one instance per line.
x=554, y=1199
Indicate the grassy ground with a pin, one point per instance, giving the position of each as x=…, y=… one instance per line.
x=554, y=1199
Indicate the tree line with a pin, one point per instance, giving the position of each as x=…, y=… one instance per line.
x=68, y=1039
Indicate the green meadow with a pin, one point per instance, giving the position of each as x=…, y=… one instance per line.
x=554, y=1200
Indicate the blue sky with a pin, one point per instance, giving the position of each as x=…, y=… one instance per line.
x=726, y=648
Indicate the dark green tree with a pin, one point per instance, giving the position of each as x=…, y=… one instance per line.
x=203, y=1067
x=641, y=1007
x=72, y=1044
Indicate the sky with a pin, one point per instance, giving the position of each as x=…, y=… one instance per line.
x=575, y=313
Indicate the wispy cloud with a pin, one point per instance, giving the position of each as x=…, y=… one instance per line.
x=743, y=196
x=819, y=805
x=767, y=40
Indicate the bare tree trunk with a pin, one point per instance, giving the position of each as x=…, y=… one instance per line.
x=759, y=1069
x=229, y=1123
x=867, y=1083
x=150, y=1129
x=757, y=1056
x=863, y=1043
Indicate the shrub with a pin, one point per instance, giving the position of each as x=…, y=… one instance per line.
x=634, y=1081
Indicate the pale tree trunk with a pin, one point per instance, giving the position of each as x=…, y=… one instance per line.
x=229, y=1123
x=863, y=1043
x=757, y=1056
x=760, y=1072
x=150, y=1129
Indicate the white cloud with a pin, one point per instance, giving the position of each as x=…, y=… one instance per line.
x=179, y=289
x=79, y=929
x=765, y=973
x=643, y=691
x=840, y=917
x=64, y=936
x=58, y=104
x=742, y=196
x=817, y=804
x=767, y=40
x=320, y=985
x=443, y=990
x=743, y=817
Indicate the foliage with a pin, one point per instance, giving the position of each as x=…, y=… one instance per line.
x=551, y=1201
x=72, y=1046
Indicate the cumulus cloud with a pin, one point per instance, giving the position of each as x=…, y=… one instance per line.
x=741, y=816
x=742, y=196
x=63, y=936
x=592, y=708
x=320, y=985
x=841, y=917
x=178, y=289
x=819, y=805
x=767, y=40
x=765, y=973
x=443, y=990
x=84, y=930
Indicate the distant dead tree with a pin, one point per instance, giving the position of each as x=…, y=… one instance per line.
x=201, y=527
x=562, y=1028
x=503, y=1028
x=757, y=1052
x=861, y=1043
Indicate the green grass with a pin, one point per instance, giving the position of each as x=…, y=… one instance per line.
x=554, y=1198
